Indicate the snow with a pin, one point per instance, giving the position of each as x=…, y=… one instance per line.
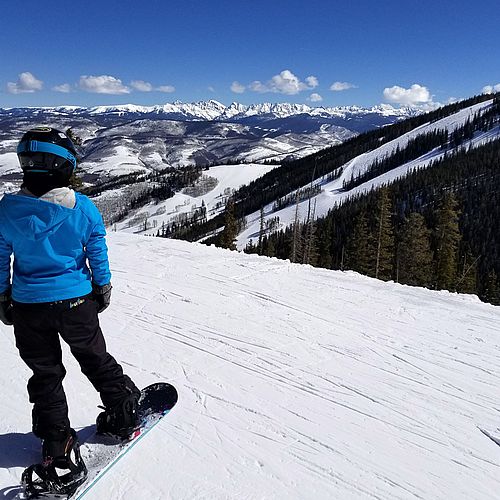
x=215, y=110
x=9, y=163
x=119, y=160
x=331, y=193
x=229, y=178
x=294, y=382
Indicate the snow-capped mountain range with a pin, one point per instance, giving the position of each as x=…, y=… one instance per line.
x=129, y=138
x=215, y=110
x=155, y=215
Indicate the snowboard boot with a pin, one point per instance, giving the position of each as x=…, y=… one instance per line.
x=62, y=470
x=122, y=420
x=61, y=450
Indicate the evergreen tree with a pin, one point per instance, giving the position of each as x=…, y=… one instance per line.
x=309, y=250
x=75, y=181
x=492, y=290
x=250, y=248
x=296, y=246
x=414, y=254
x=447, y=239
x=230, y=227
x=385, y=237
x=324, y=239
x=271, y=248
x=75, y=139
x=358, y=252
x=261, y=229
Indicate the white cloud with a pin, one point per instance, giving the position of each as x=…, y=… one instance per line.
x=339, y=86
x=103, y=84
x=165, y=88
x=258, y=86
x=315, y=97
x=26, y=83
x=65, y=88
x=416, y=94
x=237, y=87
x=141, y=85
x=491, y=89
x=312, y=82
x=211, y=89
x=284, y=83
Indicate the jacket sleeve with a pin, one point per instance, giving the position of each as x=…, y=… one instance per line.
x=5, y=253
x=97, y=250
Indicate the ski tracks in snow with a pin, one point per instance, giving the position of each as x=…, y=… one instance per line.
x=307, y=383
x=297, y=382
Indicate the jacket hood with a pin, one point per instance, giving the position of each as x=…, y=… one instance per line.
x=34, y=218
x=60, y=196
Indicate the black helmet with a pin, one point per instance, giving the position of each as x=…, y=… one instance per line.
x=48, y=159
x=46, y=150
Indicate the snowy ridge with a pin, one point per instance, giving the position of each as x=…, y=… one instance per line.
x=228, y=178
x=331, y=192
x=131, y=138
x=215, y=110
x=294, y=382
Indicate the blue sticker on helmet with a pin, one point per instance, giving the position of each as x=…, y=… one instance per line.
x=46, y=147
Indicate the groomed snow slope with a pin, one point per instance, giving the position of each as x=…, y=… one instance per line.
x=294, y=382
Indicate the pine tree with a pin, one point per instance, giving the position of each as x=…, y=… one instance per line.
x=296, y=247
x=261, y=229
x=385, y=237
x=75, y=139
x=492, y=290
x=230, y=228
x=271, y=247
x=414, y=254
x=250, y=248
x=75, y=181
x=309, y=250
x=324, y=241
x=358, y=252
x=447, y=237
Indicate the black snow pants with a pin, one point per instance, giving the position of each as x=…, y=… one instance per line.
x=37, y=328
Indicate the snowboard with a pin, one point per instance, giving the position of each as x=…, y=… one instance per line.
x=99, y=453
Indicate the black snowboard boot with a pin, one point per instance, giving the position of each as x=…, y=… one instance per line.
x=60, y=449
x=121, y=420
x=60, y=452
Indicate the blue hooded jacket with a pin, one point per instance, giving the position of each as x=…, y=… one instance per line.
x=58, y=251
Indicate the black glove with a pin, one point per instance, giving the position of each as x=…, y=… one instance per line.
x=102, y=295
x=6, y=308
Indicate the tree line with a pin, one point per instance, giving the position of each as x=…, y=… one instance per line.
x=424, y=143
x=438, y=228
x=325, y=164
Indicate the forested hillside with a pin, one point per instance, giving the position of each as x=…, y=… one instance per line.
x=326, y=164
x=438, y=228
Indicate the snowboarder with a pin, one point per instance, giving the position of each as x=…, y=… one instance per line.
x=60, y=282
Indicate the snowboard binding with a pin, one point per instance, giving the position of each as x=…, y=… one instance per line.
x=120, y=422
x=50, y=479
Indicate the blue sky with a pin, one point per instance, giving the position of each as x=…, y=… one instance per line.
x=314, y=52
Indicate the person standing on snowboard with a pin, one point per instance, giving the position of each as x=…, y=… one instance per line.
x=60, y=282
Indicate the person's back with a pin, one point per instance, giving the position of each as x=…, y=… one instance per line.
x=60, y=282
x=51, y=242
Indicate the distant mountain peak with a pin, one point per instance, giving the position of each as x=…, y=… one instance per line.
x=215, y=110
